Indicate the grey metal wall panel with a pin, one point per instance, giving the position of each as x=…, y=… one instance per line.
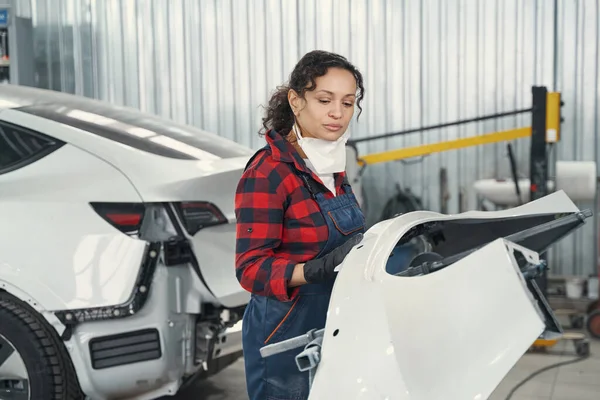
x=577, y=77
x=213, y=63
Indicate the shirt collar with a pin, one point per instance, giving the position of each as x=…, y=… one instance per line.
x=282, y=150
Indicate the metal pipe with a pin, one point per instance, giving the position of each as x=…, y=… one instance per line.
x=427, y=128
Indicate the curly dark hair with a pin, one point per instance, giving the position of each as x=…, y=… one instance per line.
x=279, y=115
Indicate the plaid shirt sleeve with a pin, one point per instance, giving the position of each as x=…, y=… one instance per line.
x=259, y=209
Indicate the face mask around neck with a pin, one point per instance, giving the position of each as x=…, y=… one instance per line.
x=326, y=156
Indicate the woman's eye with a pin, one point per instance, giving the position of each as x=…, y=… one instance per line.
x=348, y=104
x=322, y=101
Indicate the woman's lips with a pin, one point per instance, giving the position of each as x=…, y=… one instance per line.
x=333, y=127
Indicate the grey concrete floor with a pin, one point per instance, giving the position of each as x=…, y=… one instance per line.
x=229, y=384
x=580, y=381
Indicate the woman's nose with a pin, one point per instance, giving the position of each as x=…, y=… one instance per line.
x=336, y=111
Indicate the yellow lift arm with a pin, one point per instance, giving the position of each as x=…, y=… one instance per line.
x=552, y=136
x=426, y=149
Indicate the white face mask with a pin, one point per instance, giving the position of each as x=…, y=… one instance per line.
x=326, y=156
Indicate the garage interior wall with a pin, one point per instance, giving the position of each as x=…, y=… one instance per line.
x=213, y=63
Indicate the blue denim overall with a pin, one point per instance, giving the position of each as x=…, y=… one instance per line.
x=268, y=320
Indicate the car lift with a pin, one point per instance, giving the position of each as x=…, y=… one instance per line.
x=544, y=132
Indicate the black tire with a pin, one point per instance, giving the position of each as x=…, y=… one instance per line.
x=51, y=372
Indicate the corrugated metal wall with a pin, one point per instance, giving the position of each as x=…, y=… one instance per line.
x=212, y=63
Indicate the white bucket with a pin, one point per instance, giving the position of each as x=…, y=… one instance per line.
x=592, y=288
x=574, y=288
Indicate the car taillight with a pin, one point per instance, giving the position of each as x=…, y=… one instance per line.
x=126, y=217
x=198, y=215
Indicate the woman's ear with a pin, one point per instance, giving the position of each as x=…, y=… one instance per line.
x=294, y=100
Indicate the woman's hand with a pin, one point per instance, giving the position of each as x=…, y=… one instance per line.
x=297, y=276
x=322, y=269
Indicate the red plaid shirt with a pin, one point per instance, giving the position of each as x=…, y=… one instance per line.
x=279, y=224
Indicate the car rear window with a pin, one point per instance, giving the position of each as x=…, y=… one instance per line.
x=20, y=147
x=141, y=131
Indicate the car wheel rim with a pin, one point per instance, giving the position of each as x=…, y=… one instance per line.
x=14, y=380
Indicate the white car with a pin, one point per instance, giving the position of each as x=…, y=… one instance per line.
x=117, y=243
x=436, y=307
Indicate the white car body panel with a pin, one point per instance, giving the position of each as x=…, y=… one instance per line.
x=217, y=253
x=161, y=179
x=86, y=263
x=450, y=335
x=464, y=350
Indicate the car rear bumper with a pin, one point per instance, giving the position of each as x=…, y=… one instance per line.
x=230, y=341
x=151, y=353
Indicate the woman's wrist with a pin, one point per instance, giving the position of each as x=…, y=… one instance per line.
x=298, y=276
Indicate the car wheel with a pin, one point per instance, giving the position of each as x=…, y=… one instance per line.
x=34, y=364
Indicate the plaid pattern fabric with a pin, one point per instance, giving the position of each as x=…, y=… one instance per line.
x=279, y=224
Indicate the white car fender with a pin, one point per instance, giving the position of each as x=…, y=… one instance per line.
x=449, y=335
x=430, y=337
x=37, y=303
x=15, y=288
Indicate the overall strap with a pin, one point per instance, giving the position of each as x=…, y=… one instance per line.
x=345, y=181
x=313, y=186
x=346, y=185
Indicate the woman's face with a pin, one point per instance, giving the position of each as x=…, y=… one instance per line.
x=325, y=112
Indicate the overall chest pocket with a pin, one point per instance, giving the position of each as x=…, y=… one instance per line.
x=347, y=219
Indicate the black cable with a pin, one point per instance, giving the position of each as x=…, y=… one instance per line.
x=539, y=371
x=513, y=171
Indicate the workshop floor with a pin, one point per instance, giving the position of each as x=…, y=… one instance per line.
x=579, y=381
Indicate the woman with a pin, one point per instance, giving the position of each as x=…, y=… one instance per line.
x=297, y=218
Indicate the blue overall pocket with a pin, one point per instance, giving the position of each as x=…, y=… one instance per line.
x=279, y=317
x=348, y=219
x=284, y=320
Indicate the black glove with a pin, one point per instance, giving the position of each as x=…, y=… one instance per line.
x=322, y=269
